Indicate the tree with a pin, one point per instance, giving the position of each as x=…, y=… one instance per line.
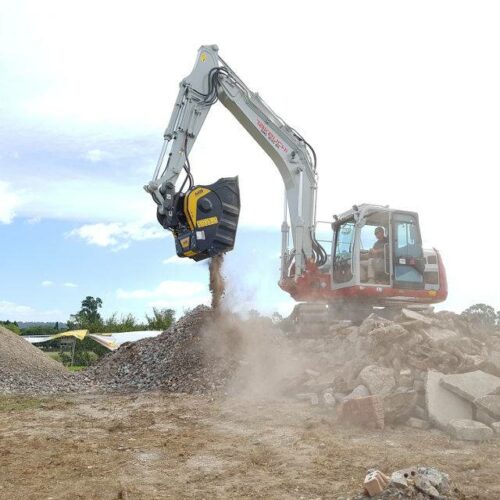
x=88, y=316
x=90, y=309
x=161, y=319
x=12, y=326
x=482, y=315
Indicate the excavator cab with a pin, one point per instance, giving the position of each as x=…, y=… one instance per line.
x=204, y=219
x=378, y=246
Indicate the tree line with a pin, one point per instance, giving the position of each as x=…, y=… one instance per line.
x=89, y=318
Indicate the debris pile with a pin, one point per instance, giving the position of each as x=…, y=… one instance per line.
x=25, y=369
x=428, y=369
x=177, y=360
x=414, y=482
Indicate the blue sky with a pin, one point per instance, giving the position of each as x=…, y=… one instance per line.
x=400, y=101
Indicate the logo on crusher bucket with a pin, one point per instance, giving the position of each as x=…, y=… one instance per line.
x=271, y=137
x=185, y=242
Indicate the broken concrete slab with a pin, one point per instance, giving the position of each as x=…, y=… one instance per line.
x=469, y=430
x=471, y=385
x=408, y=313
x=490, y=404
x=443, y=405
x=379, y=380
x=496, y=427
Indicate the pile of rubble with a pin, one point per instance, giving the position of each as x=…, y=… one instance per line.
x=177, y=360
x=422, y=369
x=25, y=369
x=414, y=482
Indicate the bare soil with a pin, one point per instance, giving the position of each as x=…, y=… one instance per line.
x=154, y=445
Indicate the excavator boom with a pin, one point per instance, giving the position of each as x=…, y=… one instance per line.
x=204, y=218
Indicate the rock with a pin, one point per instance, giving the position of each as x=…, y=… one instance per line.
x=312, y=373
x=371, y=323
x=469, y=430
x=439, y=335
x=471, y=385
x=379, y=380
x=408, y=313
x=399, y=405
x=388, y=334
x=439, y=480
x=489, y=404
x=496, y=427
x=484, y=418
x=424, y=485
x=443, y=405
x=359, y=392
x=417, y=423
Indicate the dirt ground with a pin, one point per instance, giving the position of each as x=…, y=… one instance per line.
x=174, y=446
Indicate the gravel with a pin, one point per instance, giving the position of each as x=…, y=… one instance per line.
x=26, y=369
x=177, y=360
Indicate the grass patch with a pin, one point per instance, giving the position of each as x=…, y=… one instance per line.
x=76, y=368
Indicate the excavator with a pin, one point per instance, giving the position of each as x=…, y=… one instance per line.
x=375, y=258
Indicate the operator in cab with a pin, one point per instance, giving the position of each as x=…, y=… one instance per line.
x=372, y=263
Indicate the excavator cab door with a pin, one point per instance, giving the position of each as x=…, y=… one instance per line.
x=407, y=254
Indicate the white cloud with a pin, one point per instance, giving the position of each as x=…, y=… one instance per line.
x=70, y=285
x=169, y=288
x=9, y=202
x=118, y=235
x=96, y=155
x=34, y=220
x=19, y=312
x=47, y=283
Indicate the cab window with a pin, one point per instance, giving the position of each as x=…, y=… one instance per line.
x=344, y=243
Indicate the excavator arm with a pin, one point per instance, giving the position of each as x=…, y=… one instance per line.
x=204, y=218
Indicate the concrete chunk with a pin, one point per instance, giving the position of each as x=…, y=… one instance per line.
x=490, y=405
x=399, y=405
x=379, y=380
x=471, y=385
x=443, y=405
x=469, y=430
x=496, y=427
x=408, y=313
x=439, y=335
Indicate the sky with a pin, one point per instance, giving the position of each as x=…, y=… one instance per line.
x=399, y=99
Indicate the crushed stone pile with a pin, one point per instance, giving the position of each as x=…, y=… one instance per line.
x=178, y=360
x=24, y=369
